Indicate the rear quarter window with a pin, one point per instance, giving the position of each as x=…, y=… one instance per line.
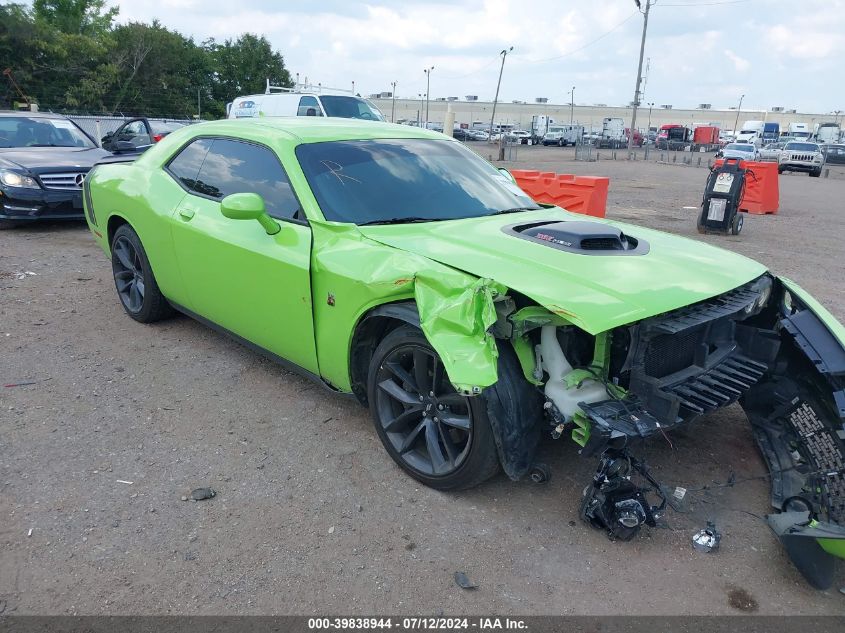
x=185, y=166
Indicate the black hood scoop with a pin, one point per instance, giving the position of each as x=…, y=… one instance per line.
x=583, y=237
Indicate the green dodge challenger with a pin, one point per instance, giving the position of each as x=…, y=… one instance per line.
x=395, y=264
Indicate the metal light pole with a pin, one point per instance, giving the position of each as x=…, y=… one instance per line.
x=393, y=101
x=353, y=87
x=427, y=72
x=648, y=4
x=504, y=55
x=572, y=106
x=419, y=112
x=738, y=108
x=650, y=106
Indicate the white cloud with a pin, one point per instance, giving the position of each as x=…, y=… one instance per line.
x=740, y=63
x=699, y=54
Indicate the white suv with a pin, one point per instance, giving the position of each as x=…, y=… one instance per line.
x=801, y=156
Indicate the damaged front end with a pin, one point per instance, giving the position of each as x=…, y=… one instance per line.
x=766, y=345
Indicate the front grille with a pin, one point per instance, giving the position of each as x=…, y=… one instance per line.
x=670, y=353
x=709, y=310
x=70, y=180
x=718, y=386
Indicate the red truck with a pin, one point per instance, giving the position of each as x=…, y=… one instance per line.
x=705, y=138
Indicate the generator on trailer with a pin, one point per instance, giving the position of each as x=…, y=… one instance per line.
x=722, y=196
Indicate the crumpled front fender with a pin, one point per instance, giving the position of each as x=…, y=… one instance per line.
x=455, y=316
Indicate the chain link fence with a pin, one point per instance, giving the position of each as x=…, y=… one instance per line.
x=98, y=125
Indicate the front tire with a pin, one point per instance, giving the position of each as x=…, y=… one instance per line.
x=438, y=436
x=8, y=224
x=134, y=280
x=816, y=173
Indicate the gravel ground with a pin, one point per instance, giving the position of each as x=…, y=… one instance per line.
x=311, y=516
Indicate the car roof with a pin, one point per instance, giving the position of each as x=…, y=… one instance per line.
x=314, y=129
x=27, y=113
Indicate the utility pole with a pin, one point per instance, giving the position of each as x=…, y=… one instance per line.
x=393, y=100
x=648, y=4
x=427, y=72
x=738, y=108
x=199, y=110
x=504, y=55
x=572, y=106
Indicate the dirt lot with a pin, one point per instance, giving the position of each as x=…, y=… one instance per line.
x=311, y=515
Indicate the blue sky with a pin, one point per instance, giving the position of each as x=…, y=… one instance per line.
x=777, y=52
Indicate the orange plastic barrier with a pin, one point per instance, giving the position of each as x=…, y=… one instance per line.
x=762, y=192
x=578, y=194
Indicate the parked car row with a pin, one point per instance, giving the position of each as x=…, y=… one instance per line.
x=793, y=155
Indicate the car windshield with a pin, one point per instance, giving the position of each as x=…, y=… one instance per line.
x=350, y=108
x=802, y=147
x=32, y=131
x=396, y=180
x=740, y=147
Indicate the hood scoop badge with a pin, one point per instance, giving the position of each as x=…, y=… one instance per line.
x=577, y=236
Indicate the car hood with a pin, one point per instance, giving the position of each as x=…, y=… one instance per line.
x=596, y=292
x=42, y=160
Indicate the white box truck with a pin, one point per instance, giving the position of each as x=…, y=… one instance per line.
x=612, y=133
x=563, y=135
x=828, y=133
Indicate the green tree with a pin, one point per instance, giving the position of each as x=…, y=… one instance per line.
x=77, y=17
x=243, y=66
x=70, y=55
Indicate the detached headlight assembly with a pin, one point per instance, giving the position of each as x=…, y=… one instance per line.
x=14, y=179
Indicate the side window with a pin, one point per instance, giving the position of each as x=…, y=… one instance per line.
x=239, y=167
x=136, y=133
x=186, y=164
x=308, y=106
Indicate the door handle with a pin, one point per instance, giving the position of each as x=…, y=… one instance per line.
x=186, y=214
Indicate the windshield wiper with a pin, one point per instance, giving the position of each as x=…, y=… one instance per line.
x=410, y=220
x=516, y=210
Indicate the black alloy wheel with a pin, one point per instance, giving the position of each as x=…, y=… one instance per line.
x=128, y=274
x=437, y=435
x=428, y=424
x=134, y=280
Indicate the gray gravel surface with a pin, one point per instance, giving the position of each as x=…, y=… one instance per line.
x=310, y=515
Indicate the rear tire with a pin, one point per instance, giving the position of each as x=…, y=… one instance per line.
x=134, y=280
x=439, y=437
